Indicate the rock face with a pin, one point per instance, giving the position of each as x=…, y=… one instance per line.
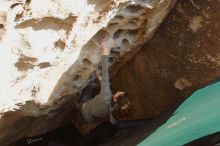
x=182, y=56
x=2, y=23
x=49, y=49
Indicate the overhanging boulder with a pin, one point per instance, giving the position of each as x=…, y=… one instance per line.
x=50, y=49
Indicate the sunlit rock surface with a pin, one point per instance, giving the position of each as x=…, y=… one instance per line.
x=49, y=49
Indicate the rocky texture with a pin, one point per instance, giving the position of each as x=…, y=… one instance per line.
x=2, y=23
x=49, y=49
x=182, y=56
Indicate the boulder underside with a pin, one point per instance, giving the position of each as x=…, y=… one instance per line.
x=180, y=58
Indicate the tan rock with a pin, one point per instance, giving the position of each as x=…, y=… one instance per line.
x=50, y=49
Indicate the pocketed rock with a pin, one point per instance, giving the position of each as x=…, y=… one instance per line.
x=49, y=49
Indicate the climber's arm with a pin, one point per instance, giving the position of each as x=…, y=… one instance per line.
x=105, y=85
x=99, y=107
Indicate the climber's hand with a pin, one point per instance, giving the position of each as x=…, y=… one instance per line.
x=117, y=95
x=105, y=47
x=98, y=75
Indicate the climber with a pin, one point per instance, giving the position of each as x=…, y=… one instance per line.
x=100, y=107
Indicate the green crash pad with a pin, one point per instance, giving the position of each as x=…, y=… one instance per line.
x=196, y=117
